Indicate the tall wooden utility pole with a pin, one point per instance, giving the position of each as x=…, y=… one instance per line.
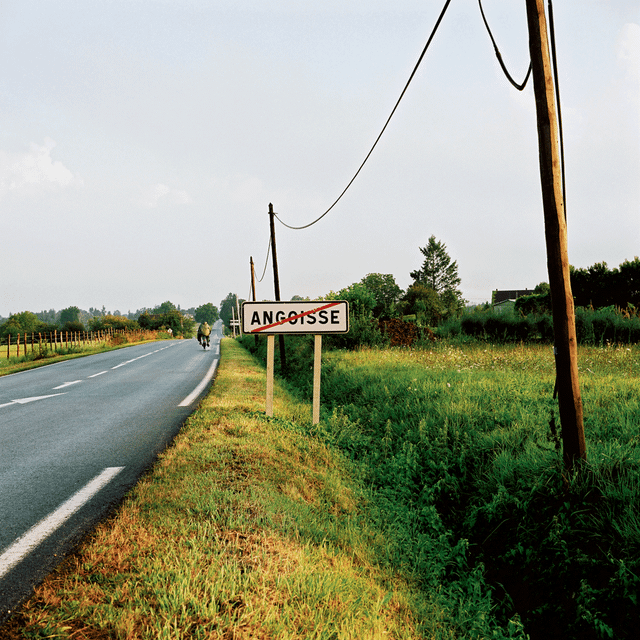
x=276, y=282
x=564, y=326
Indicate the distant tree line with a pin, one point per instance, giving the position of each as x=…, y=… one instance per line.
x=608, y=303
x=72, y=319
x=596, y=287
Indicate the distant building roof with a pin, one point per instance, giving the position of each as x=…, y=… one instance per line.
x=512, y=294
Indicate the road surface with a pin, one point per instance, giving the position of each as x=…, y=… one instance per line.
x=76, y=436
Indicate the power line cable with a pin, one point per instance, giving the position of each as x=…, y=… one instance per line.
x=519, y=87
x=413, y=73
x=266, y=262
x=557, y=88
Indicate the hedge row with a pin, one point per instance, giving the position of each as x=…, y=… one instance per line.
x=597, y=327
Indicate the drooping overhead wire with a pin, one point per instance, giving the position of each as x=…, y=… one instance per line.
x=519, y=87
x=413, y=73
x=266, y=261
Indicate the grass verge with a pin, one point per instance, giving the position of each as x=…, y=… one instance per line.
x=245, y=528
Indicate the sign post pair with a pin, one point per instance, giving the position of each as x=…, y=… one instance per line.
x=299, y=318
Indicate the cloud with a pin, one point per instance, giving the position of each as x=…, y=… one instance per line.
x=20, y=170
x=161, y=194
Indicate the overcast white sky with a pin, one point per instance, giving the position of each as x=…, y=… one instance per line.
x=141, y=142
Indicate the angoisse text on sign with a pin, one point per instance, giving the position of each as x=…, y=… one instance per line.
x=315, y=317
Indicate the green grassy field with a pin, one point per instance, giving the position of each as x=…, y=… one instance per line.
x=462, y=451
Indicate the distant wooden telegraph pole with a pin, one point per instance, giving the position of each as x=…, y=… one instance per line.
x=253, y=290
x=276, y=282
x=566, y=349
x=253, y=279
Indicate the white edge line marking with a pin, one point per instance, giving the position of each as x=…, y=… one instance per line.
x=95, y=375
x=32, y=538
x=198, y=390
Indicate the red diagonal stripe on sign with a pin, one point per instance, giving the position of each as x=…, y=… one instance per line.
x=300, y=315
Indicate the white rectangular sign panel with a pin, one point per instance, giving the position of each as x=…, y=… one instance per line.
x=320, y=316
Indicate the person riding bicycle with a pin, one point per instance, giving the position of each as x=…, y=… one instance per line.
x=204, y=333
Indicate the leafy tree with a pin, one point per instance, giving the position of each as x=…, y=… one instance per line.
x=438, y=271
x=48, y=317
x=542, y=289
x=179, y=324
x=108, y=321
x=629, y=276
x=166, y=307
x=539, y=302
x=22, y=322
x=207, y=313
x=363, y=327
x=425, y=303
x=228, y=308
x=361, y=301
x=70, y=314
x=386, y=292
x=70, y=319
x=440, y=274
x=598, y=286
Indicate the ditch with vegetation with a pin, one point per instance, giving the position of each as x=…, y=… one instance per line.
x=460, y=447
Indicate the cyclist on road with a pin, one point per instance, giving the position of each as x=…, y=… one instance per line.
x=204, y=333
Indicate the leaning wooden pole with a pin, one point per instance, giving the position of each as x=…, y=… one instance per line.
x=253, y=279
x=564, y=326
x=276, y=282
x=253, y=289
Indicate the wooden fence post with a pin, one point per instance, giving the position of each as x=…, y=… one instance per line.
x=18, y=345
x=8, y=345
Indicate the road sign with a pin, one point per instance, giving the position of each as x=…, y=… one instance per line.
x=297, y=317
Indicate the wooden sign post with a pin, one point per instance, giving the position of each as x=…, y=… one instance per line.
x=317, y=366
x=270, y=350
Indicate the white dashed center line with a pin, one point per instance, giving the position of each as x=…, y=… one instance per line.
x=67, y=384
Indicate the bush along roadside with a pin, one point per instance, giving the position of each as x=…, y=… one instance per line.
x=461, y=450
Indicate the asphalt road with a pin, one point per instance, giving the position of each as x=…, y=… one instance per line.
x=76, y=436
